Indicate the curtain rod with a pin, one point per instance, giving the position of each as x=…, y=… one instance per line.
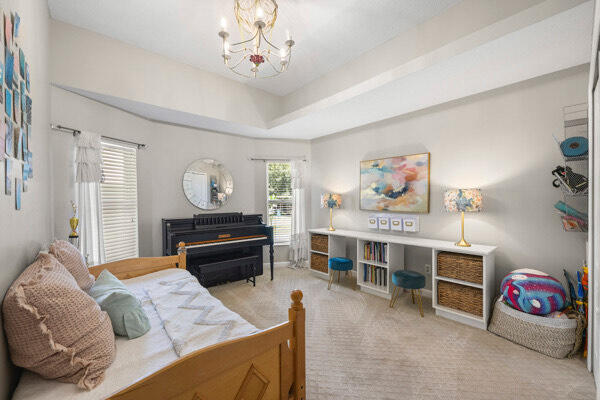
x=76, y=132
x=300, y=158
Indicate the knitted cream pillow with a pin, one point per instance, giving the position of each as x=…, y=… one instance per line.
x=54, y=328
x=69, y=256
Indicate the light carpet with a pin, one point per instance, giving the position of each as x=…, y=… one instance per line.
x=359, y=348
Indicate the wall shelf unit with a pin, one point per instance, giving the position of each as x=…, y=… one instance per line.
x=575, y=125
x=391, y=259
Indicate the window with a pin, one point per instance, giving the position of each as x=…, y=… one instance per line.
x=118, y=191
x=279, y=200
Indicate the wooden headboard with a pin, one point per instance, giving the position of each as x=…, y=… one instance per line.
x=132, y=267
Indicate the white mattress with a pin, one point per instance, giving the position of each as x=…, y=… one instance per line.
x=134, y=358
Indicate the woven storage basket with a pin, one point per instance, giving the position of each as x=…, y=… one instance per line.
x=460, y=266
x=553, y=337
x=319, y=243
x=460, y=297
x=319, y=262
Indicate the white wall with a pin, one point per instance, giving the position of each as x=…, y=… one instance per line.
x=500, y=141
x=161, y=166
x=23, y=233
x=89, y=61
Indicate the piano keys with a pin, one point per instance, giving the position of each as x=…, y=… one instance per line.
x=220, y=248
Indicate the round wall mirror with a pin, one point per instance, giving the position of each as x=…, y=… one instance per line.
x=207, y=184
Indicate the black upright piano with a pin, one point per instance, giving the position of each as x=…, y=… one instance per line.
x=220, y=247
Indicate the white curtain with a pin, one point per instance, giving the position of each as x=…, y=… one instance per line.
x=88, y=164
x=298, y=241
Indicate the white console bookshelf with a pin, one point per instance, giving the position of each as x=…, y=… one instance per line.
x=395, y=261
x=336, y=247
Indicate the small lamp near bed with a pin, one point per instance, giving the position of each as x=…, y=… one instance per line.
x=463, y=200
x=331, y=201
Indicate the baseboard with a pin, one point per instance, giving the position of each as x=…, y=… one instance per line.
x=277, y=264
x=424, y=292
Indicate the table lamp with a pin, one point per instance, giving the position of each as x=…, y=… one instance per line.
x=331, y=201
x=463, y=200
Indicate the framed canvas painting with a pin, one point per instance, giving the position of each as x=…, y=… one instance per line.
x=9, y=65
x=9, y=146
x=8, y=176
x=399, y=184
x=18, y=191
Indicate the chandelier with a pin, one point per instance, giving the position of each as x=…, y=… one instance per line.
x=255, y=56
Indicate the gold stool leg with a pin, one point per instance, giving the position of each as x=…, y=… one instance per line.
x=420, y=300
x=349, y=275
x=412, y=294
x=398, y=293
x=393, y=295
x=331, y=274
x=339, y=273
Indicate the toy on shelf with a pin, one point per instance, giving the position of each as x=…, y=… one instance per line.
x=579, y=296
x=572, y=219
x=571, y=182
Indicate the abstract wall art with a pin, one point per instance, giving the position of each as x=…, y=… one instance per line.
x=15, y=93
x=398, y=184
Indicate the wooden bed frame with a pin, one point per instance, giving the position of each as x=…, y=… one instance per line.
x=266, y=365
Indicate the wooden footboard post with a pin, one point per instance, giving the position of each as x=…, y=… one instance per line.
x=182, y=255
x=297, y=318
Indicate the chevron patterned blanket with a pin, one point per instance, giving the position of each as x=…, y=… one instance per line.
x=193, y=318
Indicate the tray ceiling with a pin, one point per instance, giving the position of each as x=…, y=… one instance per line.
x=327, y=33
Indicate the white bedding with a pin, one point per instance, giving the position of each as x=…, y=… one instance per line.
x=187, y=329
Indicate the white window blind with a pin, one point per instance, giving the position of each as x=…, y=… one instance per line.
x=118, y=191
x=279, y=200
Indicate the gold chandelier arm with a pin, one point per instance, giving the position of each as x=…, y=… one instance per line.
x=267, y=40
x=239, y=50
x=277, y=71
x=239, y=62
x=266, y=52
x=244, y=41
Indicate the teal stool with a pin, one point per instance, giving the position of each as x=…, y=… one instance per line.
x=339, y=264
x=410, y=280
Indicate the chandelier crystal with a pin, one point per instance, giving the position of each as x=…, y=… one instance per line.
x=255, y=56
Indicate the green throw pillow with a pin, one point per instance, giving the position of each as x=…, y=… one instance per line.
x=124, y=309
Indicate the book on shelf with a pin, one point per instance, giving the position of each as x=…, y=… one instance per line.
x=376, y=251
x=375, y=275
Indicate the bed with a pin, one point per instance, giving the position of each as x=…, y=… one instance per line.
x=181, y=360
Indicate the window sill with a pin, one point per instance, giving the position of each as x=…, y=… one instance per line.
x=281, y=244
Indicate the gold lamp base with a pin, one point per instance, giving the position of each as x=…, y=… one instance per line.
x=462, y=242
x=331, y=228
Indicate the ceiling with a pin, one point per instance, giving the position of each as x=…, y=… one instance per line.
x=328, y=33
x=495, y=58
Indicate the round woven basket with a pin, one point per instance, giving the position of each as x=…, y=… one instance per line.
x=554, y=337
